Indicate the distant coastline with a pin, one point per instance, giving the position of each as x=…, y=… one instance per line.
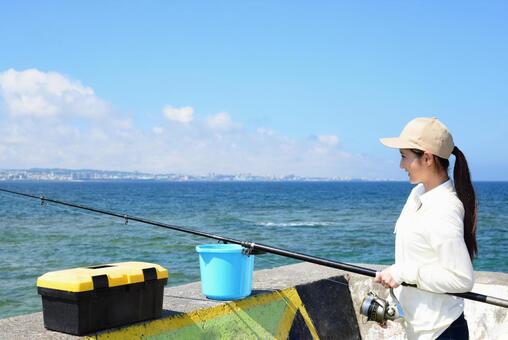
x=82, y=175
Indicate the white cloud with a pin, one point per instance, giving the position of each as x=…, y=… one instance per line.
x=181, y=115
x=115, y=142
x=98, y=135
x=157, y=130
x=329, y=140
x=220, y=121
x=32, y=93
x=265, y=131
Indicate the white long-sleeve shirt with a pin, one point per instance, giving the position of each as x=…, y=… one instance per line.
x=430, y=252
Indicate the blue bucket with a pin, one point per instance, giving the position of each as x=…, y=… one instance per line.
x=226, y=273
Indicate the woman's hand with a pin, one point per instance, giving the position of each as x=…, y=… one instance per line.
x=386, y=279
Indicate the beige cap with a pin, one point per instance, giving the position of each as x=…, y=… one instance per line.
x=426, y=134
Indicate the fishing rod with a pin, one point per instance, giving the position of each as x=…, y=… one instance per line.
x=255, y=248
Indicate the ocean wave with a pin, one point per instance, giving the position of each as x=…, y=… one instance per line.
x=295, y=224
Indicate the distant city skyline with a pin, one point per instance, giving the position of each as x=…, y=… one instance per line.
x=58, y=174
x=268, y=88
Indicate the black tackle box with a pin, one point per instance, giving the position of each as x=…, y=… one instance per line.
x=84, y=300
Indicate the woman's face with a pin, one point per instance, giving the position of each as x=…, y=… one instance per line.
x=414, y=166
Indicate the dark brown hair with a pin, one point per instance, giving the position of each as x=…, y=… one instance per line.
x=466, y=194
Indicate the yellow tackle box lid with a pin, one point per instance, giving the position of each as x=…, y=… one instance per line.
x=118, y=274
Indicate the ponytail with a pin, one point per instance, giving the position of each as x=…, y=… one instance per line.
x=466, y=194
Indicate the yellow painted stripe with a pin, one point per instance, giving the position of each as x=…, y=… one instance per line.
x=293, y=296
x=294, y=304
x=286, y=323
x=172, y=323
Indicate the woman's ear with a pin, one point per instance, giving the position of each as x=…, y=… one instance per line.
x=428, y=159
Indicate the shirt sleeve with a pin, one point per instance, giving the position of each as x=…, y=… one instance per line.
x=452, y=272
x=403, y=273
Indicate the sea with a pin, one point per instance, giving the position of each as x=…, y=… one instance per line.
x=349, y=222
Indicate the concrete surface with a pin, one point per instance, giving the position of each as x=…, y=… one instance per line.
x=486, y=321
x=180, y=299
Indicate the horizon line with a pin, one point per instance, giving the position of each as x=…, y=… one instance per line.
x=196, y=178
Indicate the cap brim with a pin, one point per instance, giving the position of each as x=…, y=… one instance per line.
x=397, y=143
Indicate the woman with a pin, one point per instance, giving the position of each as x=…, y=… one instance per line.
x=435, y=234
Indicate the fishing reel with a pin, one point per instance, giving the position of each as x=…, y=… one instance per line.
x=380, y=310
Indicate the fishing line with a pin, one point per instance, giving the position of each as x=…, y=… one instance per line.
x=275, y=264
x=286, y=301
x=257, y=248
x=116, y=222
x=109, y=219
x=338, y=282
x=97, y=216
x=79, y=212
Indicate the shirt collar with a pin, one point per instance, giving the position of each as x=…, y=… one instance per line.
x=434, y=193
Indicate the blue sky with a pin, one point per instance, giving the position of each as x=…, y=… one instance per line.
x=282, y=87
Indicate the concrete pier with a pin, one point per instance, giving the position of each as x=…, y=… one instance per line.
x=300, y=301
